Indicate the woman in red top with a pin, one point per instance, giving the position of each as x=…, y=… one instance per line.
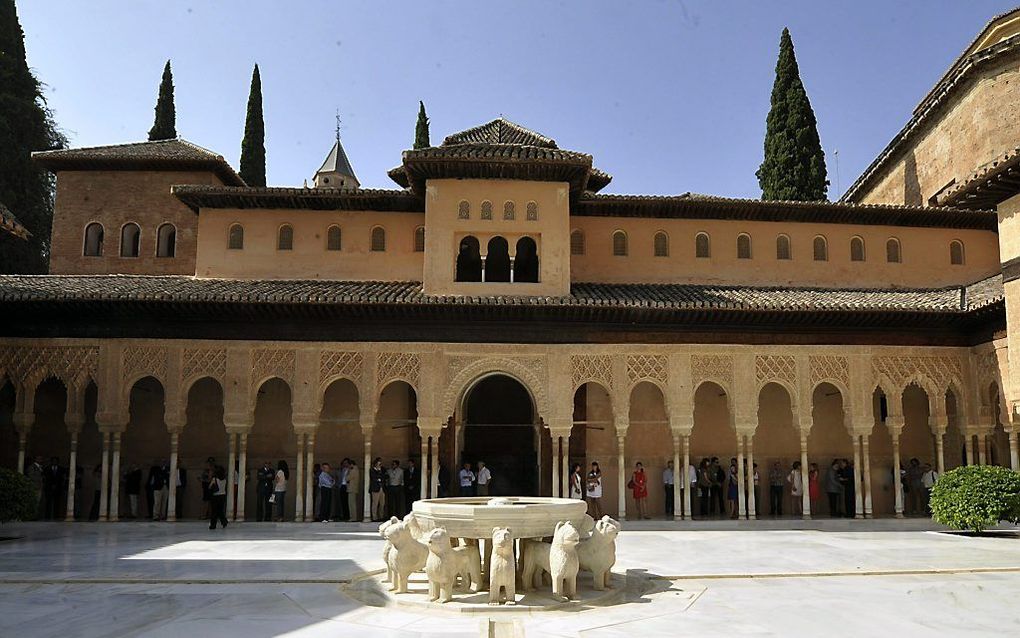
x=639, y=486
x=814, y=489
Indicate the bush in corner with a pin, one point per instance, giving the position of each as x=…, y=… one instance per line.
x=19, y=500
x=976, y=497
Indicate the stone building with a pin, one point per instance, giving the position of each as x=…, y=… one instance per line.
x=498, y=306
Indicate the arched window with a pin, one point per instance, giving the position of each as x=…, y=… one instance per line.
x=532, y=212
x=486, y=209
x=378, y=240
x=892, y=251
x=526, y=261
x=464, y=210
x=497, y=261
x=660, y=244
x=130, y=238
x=783, y=252
x=93, y=246
x=285, y=238
x=956, y=252
x=508, y=211
x=743, y=246
x=469, y=260
x=820, y=249
x=856, y=249
x=577, y=242
x=702, y=246
x=166, y=241
x=619, y=244
x=419, y=239
x=235, y=237
x=333, y=238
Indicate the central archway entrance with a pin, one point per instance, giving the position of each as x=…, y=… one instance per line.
x=499, y=429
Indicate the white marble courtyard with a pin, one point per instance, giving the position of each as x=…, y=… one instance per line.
x=782, y=578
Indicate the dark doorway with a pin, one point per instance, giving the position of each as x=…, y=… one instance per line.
x=499, y=429
x=497, y=262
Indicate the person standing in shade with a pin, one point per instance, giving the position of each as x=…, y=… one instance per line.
x=97, y=479
x=846, y=476
x=377, y=481
x=133, y=487
x=833, y=488
x=796, y=482
x=206, y=479
x=776, y=485
x=483, y=479
x=412, y=484
x=53, y=481
x=395, y=490
x=731, y=490
x=594, y=491
x=79, y=476
x=181, y=487
x=914, y=493
x=668, y=487
x=928, y=479
x=343, y=483
x=466, y=480
x=326, y=483
x=756, y=481
x=280, y=488
x=263, y=492
x=639, y=488
x=158, y=485
x=718, y=477
x=704, y=487
x=37, y=477
x=814, y=486
x=218, y=491
x=353, y=490
x=576, y=482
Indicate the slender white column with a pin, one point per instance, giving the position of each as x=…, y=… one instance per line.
x=512, y=260
x=740, y=475
x=242, y=475
x=231, y=453
x=366, y=477
x=858, y=495
x=688, y=488
x=171, y=508
x=866, y=444
x=299, y=482
x=897, y=480
x=564, y=466
x=104, y=500
x=435, y=467
x=309, y=476
x=1014, y=454
x=555, y=462
x=115, y=479
x=983, y=449
x=679, y=478
x=423, y=468
x=940, y=452
x=968, y=446
x=752, y=507
x=22, y=441
x=69, y=514
x=805, y=497
x=621, y=478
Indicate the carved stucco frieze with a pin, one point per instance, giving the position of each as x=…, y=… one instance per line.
x=648, y=367
x=712, y=367
x=204, y=362
x=405, y=366
x=463, y=371
x=337, y=364
x=829, y=368
x=775, y=368
x=902, y=370
x=68, y=363
x=144, y=361
x=267, y=363
x=592, y=367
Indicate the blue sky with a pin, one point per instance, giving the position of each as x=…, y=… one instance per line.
x=668, y=96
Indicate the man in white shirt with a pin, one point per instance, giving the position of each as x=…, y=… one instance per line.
x=928, y=479
x=692, y=484
x=466, y=480
x=667, y=481
x=395, y=490
x=483, y=479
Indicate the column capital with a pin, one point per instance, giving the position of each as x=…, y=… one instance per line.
x=745, y=425
x=681, y=424
x=895, y=423
x=938, y=423
x=23, y=421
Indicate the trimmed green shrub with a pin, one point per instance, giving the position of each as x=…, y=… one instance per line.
x=976, y=497
x=19, y=500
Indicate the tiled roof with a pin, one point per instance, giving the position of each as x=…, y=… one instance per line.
x=359, y=199
x=337, y=162
x=498, y=151
x=989, y=186
x=500, y=131
x=10, y=224
x=177, y=154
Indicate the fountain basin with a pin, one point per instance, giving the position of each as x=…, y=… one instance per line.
x=473, y=517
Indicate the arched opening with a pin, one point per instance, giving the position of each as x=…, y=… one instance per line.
x=285, y=238
x=8, y=434
x=593, y=440
x=497, y=260
x=500, y=429
x=90, y=455
x=776, y=445
x=713, y=443
x=469, y=260
x=702, y=246
x=956, y=252
x=130, y=238
x=49, y=443
x=577, y=242
x=660, y=244
x=998, y=441
x=166, y=241
x=395, y=440
x=883, y=494
x=204, y=436
x=272, y=438
x=650, y=443
x=509, y=211
x=526, y=261
x=830, y=447
x=93, y=246
x=892, y=251
x=619, y=244
x=917, y=448
x=419, y=239
x=783, y=252
x=340, y=442
x=145, y=447
x=464, y=210
x=532, y=212
x=486, y=209
x=856, y=249
x=743, y=246
x=378, y=240
x=333, y=238
x=235, y=237
x=952, y=444
x=820, y=249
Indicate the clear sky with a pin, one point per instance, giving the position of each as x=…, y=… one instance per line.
x=668, y=96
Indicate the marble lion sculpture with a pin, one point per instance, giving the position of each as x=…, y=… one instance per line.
x=414, y=527
x=502, y=568
x=499, y=500
x=406, y=556
x=445, y=563
x=597, y=554
x=387, y=547
x=558, y=558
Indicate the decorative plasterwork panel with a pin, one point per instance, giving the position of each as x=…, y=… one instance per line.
x=398, y=365
x=830, y=368
x=592, y=367
x=268, y=363
x=69, y=363
x=143, y=361
x=942, y=371
x=712, y=367
x=335, y=364
x=204, y=362
x=986, y=367
x=641, y=367
x=775, y=368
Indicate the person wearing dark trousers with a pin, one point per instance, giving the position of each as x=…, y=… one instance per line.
x=343, y=506
x=412, y=484
x=776, y=485
x=97, y=480
x=133, y=487
x=181, y=485
x=849, y=489
x=395, y=490
x=218, y=496
x=834, y=488
x=704, y=487
x=669, y=487
x=53, y=482
x=326, y=483
x=263, y=490
x=150, y=491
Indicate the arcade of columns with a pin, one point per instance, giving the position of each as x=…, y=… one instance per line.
x=441, y=374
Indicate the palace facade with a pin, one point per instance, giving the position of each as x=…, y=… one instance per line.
x=499, y=305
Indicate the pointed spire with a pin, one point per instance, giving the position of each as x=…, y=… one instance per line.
x=336, y=171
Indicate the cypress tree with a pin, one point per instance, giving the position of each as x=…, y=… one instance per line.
x=421, y=129
x=26, y=125
x=794, y=165
x=165, y=126
x=253, y=146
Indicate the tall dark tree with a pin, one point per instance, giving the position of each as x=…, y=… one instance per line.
x=165, y=126
x=253, y=146
x=421, y=129
x=26, y=125
x=794, y=165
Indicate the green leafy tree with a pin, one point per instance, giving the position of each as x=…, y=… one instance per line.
x=19, y=500
x=253, y=146
x=165, y=126
x=421, y=129
x=976, y=497
x=26, y=125
x=794, y=165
